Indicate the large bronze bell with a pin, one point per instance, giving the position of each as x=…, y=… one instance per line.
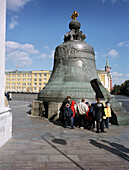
x=74, y=68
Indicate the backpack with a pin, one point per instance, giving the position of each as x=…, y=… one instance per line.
x=68, y=113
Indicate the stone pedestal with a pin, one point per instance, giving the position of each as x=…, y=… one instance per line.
x=53, y=110
x=5, y=125
x=37, y=108
x=119, y=115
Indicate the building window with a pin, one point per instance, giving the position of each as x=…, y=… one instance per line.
x=23, y=75
x=35, y=84
x=29, y=75
x=45, y=75
x=35, y=88
x=40, y=75
x=23, y=79
x=8, y=79
x=13, y=79
x=35, y=79
x=45, y=79
x=24, y=84
x=35, y=75
x=29, y=79
x=40, y=79
x=44, y=84
x=40, y=84
x=8, y=75
x=13, y=75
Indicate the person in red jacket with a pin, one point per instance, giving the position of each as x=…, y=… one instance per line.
x=73, y=109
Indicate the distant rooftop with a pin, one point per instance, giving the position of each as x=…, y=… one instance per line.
x=24, y=72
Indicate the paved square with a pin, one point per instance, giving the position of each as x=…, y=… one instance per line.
x=39, y=144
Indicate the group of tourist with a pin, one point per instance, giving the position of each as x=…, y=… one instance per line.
x=84, y=115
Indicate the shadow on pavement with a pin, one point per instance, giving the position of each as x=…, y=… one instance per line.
x=59, y=141
x=29, y=112
x=29, y=105
x=116, y=149
x=117, y=146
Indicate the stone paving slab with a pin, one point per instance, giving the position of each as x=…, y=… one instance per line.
x=40, y=144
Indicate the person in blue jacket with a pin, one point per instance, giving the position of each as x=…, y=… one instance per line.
x=68, y=113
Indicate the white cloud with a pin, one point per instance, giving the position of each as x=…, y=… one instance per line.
x=127, y=75
x=14, y=22
x=103, y=1
x=123, y=44
x=127, y=45
x=11, y=46
x=19, y=54
x=16, y=5
x=118, y=78
x=113, y=53
x=120, y=44
x=116, y=74
x=20, y=58
x=43, y=56
x=47, y=55
x=113, y=1
x=29, y=48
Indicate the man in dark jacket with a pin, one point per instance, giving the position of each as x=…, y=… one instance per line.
x=68, y=113
x=99, y=113
x=67, y=100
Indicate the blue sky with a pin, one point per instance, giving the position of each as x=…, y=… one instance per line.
x=35, y=27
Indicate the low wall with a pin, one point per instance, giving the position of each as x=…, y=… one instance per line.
x=24, y=96
x=5, y=125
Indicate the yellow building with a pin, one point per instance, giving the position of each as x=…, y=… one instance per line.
x=105, y=77
x=26, y=81
x=34, y=81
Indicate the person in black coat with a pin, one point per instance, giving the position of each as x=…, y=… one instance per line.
x=99, y=113
x=67, y=100
x=68, y=113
